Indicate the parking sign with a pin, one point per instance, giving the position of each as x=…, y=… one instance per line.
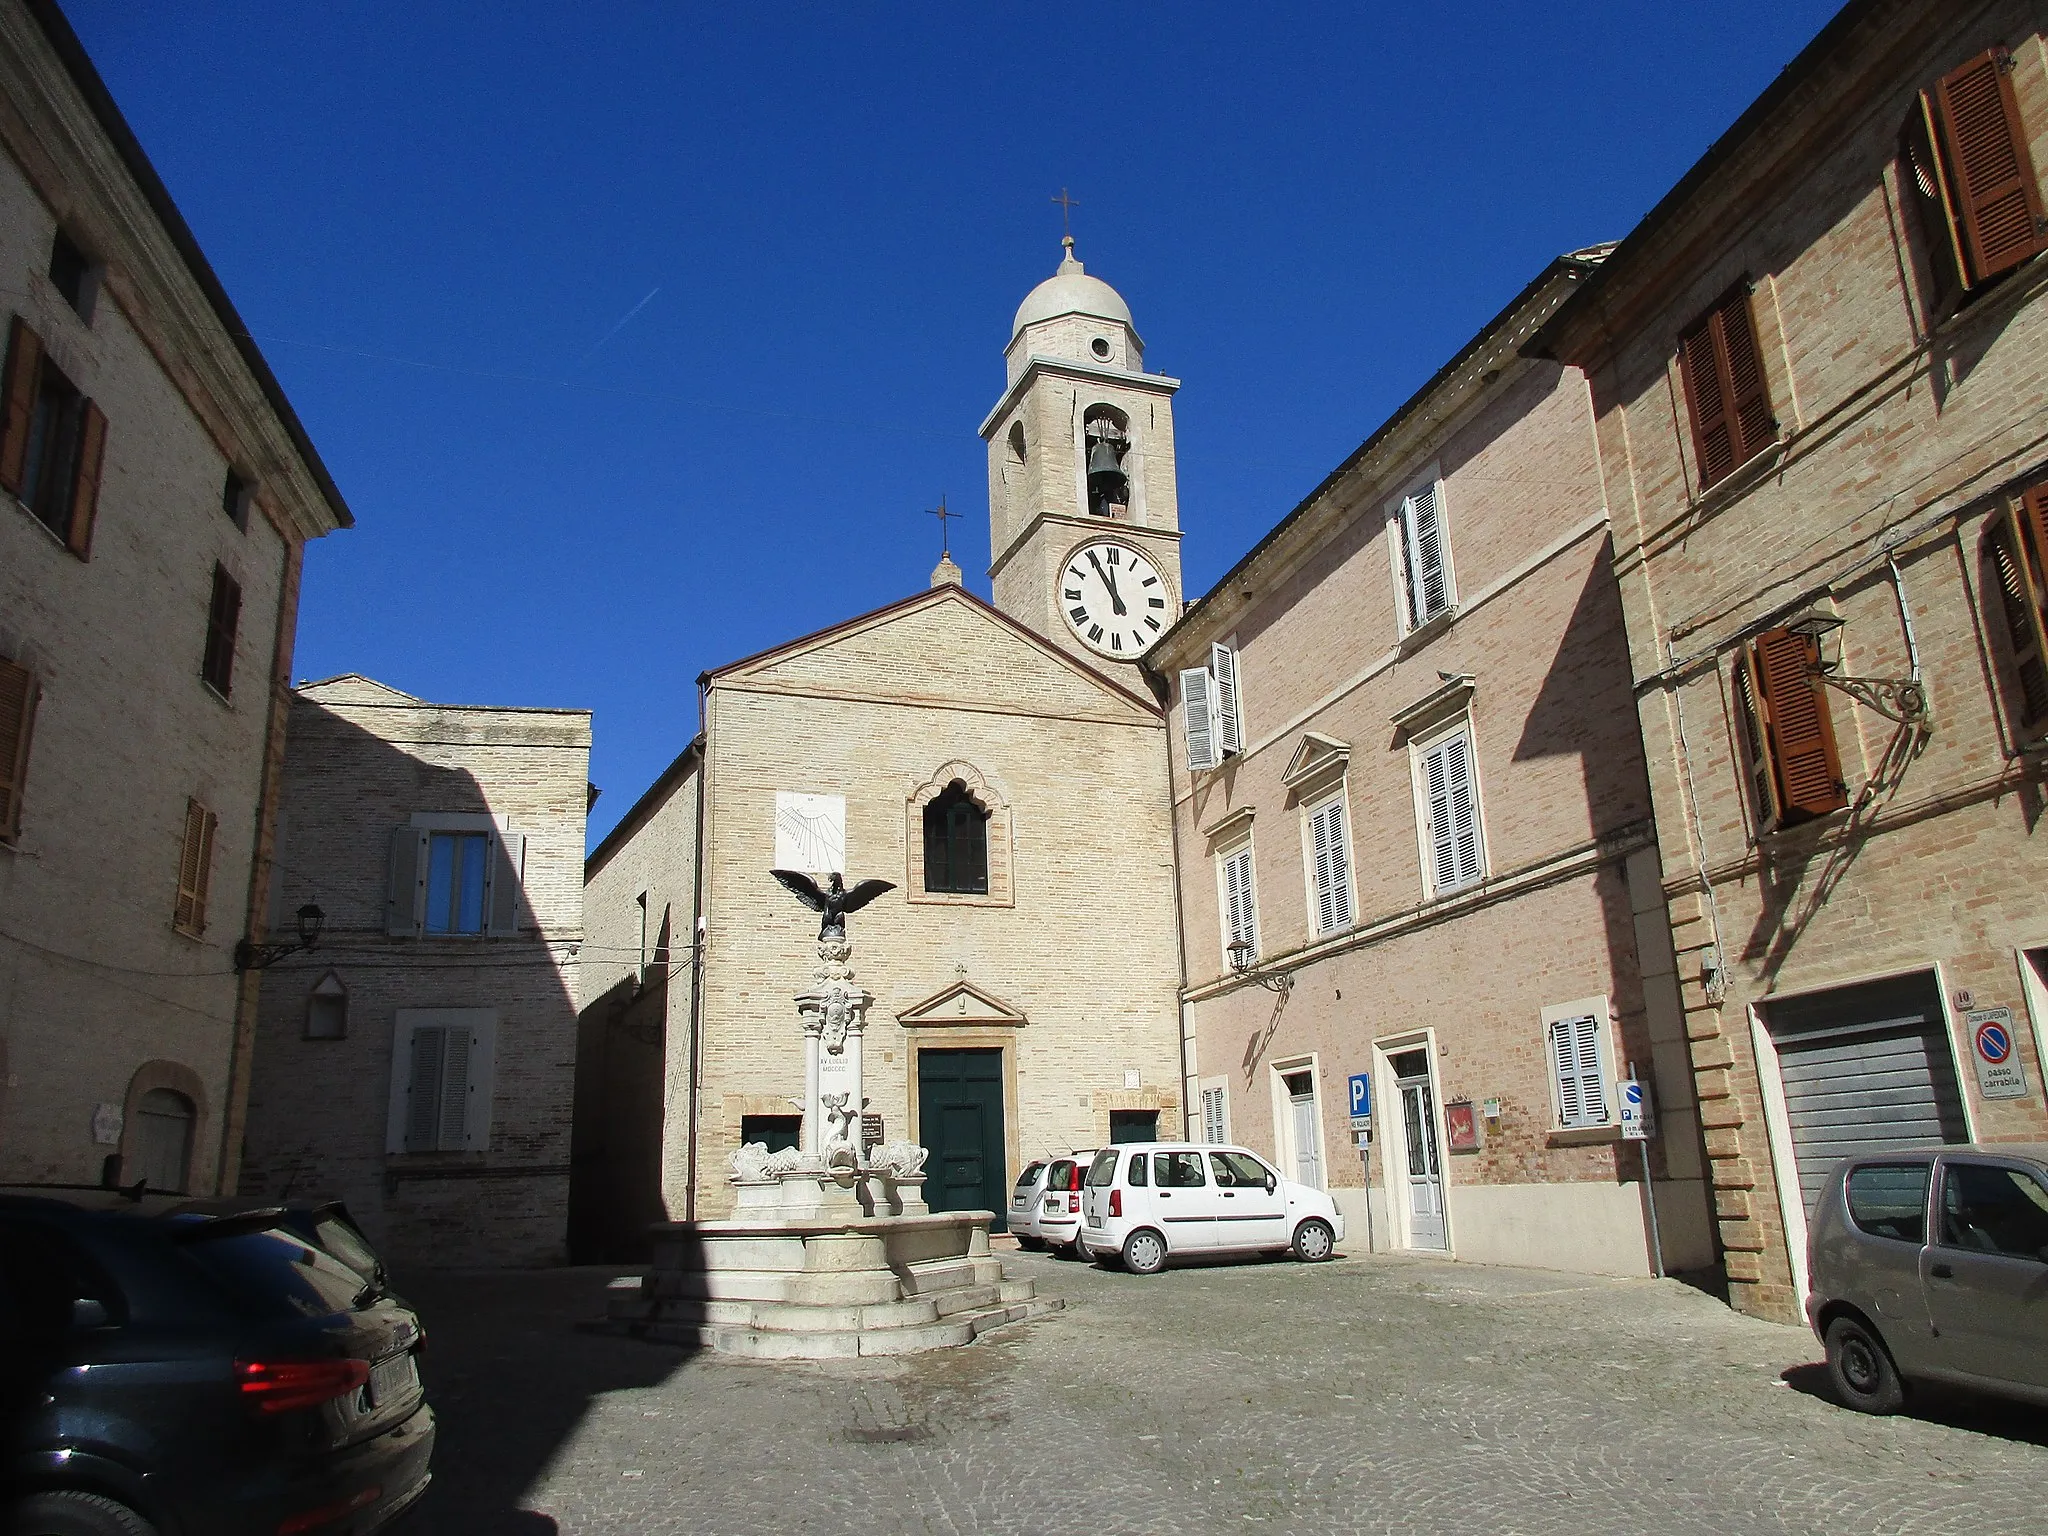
x=1361, y=1100
x=1636, y=1121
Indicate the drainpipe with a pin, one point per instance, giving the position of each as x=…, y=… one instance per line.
x=697, y=934
x=1160, y=690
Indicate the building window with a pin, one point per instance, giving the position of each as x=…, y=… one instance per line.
x=2016, y=551
x=1329, y=867
x=223, y=619
x=1453, y=843
x=957, y=840
x=1215, y=1112
x=52, y=442
x=75, y=275
x=441, y=1075
x=235, y=496
x=18, y=698
x=1422, y=554
x=327, y=1009
x=1579, y=1066
x=1129, y=1125
x=1721, y=367
x=1970, y=176
x=778, y=1133
x=1788, y=738
x=195, y=870
x=1106, y=438
x=459, y=880
x=1240, y=904
x=1212, y=709
x=1016, y=441
x=956, y=843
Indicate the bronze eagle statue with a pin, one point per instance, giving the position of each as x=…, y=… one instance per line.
x=834, y=902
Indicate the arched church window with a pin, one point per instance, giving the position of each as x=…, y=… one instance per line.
x=1106, y=432
x=956, y=843
x=1016, y=442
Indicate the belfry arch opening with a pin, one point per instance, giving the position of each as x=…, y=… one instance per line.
x=1106, y=444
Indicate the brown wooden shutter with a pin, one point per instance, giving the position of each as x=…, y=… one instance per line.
x=223, y=620
x=195, y=869
x=1722, y=369
x=17, y=723
x=1806, y=770
x=85, y=489
x=1756, y=752
x=1991, y=174
x=1928, y=187
x=2020, y=591
x=18, y=402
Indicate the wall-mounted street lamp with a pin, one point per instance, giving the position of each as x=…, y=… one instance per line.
x=256, y=957
x=1903, y=699
x=1241, y=957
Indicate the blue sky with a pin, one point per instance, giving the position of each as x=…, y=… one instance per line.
x=435, y=228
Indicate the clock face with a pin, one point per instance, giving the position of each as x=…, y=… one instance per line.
x=1114, y=599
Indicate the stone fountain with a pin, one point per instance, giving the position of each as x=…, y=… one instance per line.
x=831, y=1250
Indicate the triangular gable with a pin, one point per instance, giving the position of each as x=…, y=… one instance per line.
x=945, y=646
x=354, y=688
x=961, y=1004
x=1316, y=757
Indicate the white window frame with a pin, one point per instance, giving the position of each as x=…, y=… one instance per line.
x=1420, y=748
x=482, y=1024
x=1214, y=1090
x=1240, y=848
x=1311, y=809
x=1601, y=1011
x=1400, y=534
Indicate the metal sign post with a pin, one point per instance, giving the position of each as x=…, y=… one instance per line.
x=1361, y=1131
x=1638, y=1124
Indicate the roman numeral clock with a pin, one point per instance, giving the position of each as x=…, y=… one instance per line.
x=1114, y=599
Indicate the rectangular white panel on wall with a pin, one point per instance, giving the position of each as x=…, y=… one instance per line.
x=810, y=832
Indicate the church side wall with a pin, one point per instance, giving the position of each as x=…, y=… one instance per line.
x=1085, y=954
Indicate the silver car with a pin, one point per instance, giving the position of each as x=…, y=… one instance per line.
x=1931, y=1264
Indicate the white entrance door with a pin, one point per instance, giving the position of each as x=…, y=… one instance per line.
x=1425, y=1164
x=1306, y=1128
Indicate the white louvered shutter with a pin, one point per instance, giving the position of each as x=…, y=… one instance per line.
x=1429, y=586
x=423, y=1103
x=1198, y=710
x=1332, y=871
x=455, y=1089
x=405, y=905
x=1239, y=914
x=1579, y=1066
x=1229, y=732
x=508, y=873
x=1213, y=1127
x=1453, y=800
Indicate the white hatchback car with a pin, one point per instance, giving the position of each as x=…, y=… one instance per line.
x=1059, y=1211
x=1024, y=1203
x=1146, y=1202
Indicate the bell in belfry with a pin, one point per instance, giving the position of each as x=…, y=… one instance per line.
x=1108, y=490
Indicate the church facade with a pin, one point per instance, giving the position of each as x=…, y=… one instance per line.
x=1003, y=766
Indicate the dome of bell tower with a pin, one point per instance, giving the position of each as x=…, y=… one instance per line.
x=1071, y=291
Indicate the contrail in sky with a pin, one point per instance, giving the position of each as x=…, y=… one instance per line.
x=608, y=335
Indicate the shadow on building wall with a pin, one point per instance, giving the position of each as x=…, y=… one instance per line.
x=615, y=1156
x=320, y=1108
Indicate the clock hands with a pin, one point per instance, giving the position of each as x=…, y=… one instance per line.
x=1109, y=580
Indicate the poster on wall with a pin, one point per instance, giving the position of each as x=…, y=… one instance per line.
x=1461, y=1124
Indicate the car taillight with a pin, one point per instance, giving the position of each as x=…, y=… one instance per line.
x=1116, y=1202
x=280, y=1386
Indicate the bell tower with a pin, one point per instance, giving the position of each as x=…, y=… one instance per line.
x=1083, y=501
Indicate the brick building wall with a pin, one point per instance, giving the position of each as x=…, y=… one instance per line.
x=102, y=1002
x=1339, y=694
x=364, y=761
x=1900, y=434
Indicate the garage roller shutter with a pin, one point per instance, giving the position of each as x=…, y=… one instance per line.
x=1865, y=1067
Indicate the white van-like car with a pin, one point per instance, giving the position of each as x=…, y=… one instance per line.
x=1148, y=1201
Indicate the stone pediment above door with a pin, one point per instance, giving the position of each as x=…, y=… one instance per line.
x=962, y=1005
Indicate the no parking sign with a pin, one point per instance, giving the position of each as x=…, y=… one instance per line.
x=1999, y=1073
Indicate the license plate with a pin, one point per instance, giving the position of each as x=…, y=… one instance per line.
x=393, y=1378
x=1094, y=1221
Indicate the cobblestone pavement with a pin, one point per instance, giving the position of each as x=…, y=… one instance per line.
x=1368, y=1395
